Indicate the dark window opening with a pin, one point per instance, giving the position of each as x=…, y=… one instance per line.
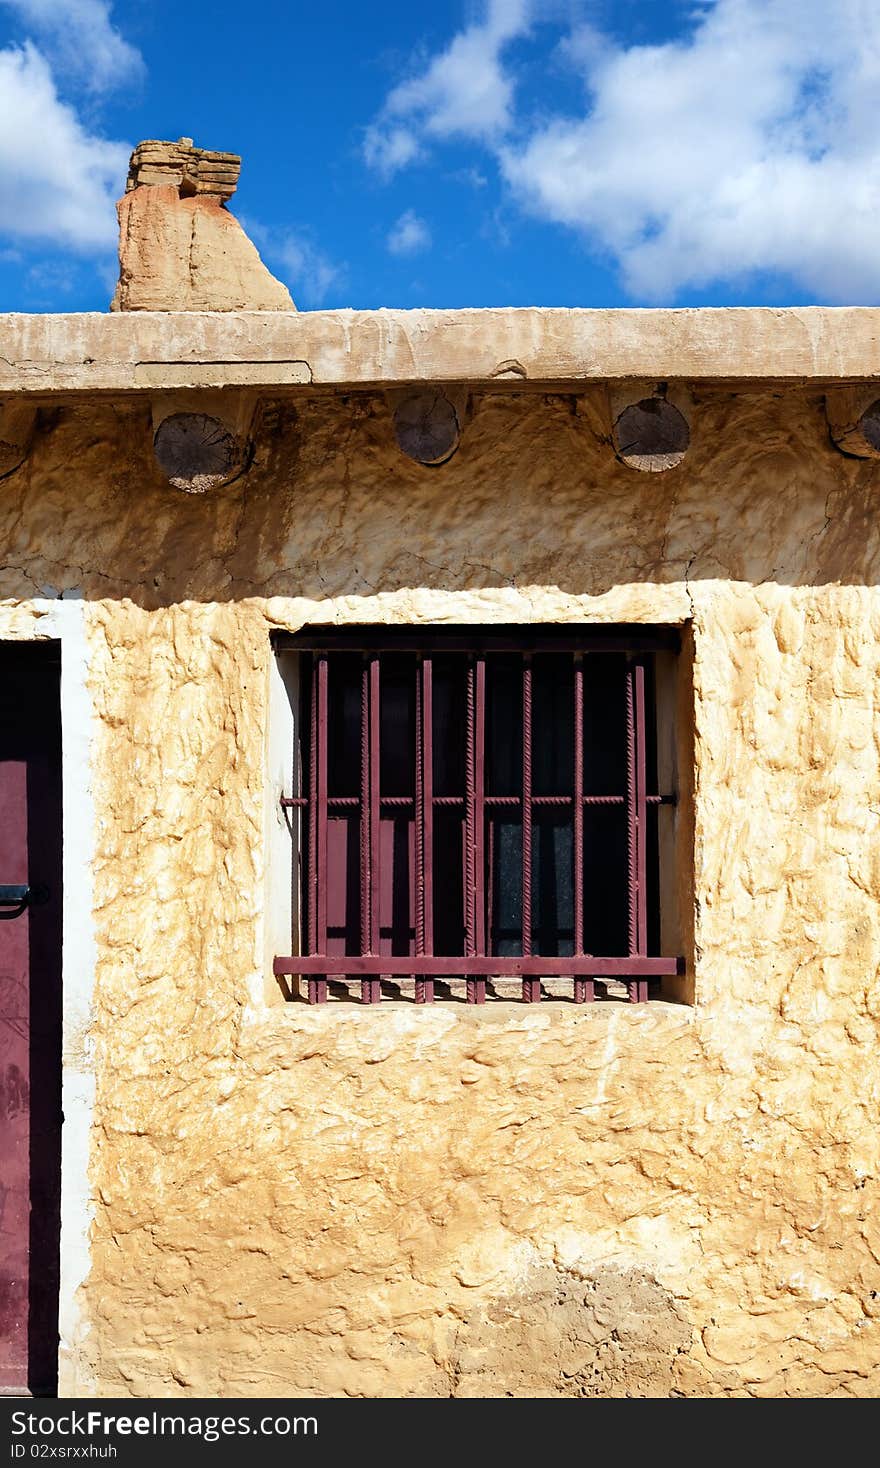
x=480, y=811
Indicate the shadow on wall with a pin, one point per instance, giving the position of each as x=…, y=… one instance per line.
x=534, y=497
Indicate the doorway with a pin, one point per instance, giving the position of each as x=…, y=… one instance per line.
x=30, y=1015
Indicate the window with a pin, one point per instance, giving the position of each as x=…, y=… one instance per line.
x=478, y=812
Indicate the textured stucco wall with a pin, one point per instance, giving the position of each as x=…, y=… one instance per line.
x=644, y=1199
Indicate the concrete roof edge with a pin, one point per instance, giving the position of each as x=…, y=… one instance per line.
x=502, y=348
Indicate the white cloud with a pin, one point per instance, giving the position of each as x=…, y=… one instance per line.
x=748, y=145
x=53, y=278
x=409, y=235
x=80, y=39
x=58, y=182
x=306, y=269
x=464, y=91
x=58, y=178
x=310, y=274
x=388, y=149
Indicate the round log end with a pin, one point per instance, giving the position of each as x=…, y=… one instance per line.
x=869, y=426
x=427, y=429
x=651, y=435
x=197, y=453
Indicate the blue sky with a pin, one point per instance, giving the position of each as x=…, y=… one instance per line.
x=503, y=152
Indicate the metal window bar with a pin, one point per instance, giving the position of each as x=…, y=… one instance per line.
x=424, y=813
x=371, y=814
x=477, y=963
x=472, y=865
x=317, y=981
x=584, y=989
x=636, y=822
x=364, y=828
x=480, y=811
x=531, y=987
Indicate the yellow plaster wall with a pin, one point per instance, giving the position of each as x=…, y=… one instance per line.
x=616, y=1200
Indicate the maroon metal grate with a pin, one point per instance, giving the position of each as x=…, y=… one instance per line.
x=395, y=836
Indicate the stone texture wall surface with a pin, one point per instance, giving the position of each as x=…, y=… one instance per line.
x=643, y=1200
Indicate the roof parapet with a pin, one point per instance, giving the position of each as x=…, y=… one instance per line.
x=556, y=349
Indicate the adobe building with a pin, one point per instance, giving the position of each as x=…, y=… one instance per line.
x=440, y=790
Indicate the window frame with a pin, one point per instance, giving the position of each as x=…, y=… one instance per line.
x=310, y=809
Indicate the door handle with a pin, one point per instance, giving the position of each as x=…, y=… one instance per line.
x=15, y=899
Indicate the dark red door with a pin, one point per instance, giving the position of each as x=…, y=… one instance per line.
x=30, y=1015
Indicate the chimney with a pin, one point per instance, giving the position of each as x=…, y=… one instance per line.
x=179, y=247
